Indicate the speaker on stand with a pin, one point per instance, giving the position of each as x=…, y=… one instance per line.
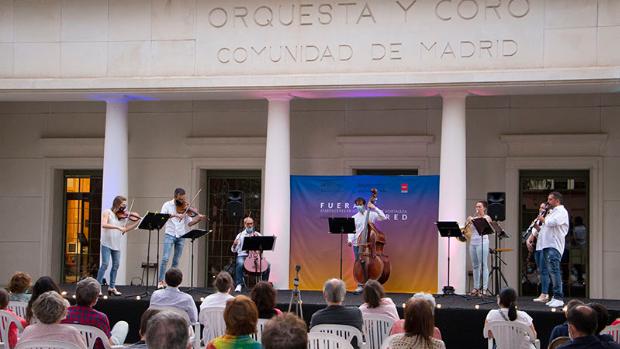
x=235, y=205
x=496, y=209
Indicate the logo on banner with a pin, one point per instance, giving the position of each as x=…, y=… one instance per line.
x=404, y=188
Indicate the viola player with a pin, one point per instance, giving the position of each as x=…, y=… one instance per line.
x=114, y=224
x=236, y=247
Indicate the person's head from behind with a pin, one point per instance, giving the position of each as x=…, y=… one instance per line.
x=167, y=330
x=4, y=299
x=240, y=316
x=571, y=304
x=174, y=276
x=264, y=296
x=582, y=321
x=50, y=308
x=602, y=316
x=42, y=285
x=20, y=282
x=87, y=292
x=427, y=297
x=508, y=299
x=285, y=332
x=373, y=293
x=144, y=320
x=223, y=282
x=419, y=319
x=334, y=291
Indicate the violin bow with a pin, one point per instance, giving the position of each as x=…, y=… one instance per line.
x=191, y=202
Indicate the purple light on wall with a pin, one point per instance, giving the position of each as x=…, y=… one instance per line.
x=113, y=97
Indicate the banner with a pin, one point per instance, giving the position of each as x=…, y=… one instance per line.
x=410, y=204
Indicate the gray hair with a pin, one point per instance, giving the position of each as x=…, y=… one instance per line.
x=87, y=291
x=50, y=308
x=334, y=290
x=167, y=330
x=427, y=297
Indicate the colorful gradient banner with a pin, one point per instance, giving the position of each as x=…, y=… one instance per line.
x=411, y=205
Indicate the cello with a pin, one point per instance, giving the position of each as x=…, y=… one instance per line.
x=372, y=262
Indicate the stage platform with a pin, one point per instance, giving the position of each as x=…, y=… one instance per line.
x=458, y=319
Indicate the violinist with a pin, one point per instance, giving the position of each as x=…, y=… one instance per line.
x=535, y=231
x=237, y=246
x=115, y=222
x=178, y=225
x=374, y=214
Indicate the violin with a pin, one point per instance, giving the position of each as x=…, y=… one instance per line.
x=123, y=214
x=186, y=208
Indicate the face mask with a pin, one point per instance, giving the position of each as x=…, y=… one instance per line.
x=359, y=208
x=178, y=202
x=249, y=230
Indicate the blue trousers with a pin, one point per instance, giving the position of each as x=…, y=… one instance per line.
x=541, y=264
x=553, y=258
x=478, y=254
x=170, y=241
x=106, y=252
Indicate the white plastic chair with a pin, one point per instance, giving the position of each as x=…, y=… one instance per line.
x=212, y=318
x=46, y=345
x=345, y=331
x=376, y=328
x=323, y=340
x=6, y=319
x=260, y=325
x=508, y=334
x=90, y=334
x=19, y=308
x=613, y=331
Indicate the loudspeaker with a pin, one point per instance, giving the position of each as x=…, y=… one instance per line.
x=496, y=205
x=235, y=205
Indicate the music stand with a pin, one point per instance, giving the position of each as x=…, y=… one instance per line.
x=449, y=229
x=259, y=243
x=341, y=226
x=152, y=221
x=496, y=269
x=484, y=228
x=193, y=235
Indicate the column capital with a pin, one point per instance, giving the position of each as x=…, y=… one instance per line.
x=284, y=97
x=454, y=94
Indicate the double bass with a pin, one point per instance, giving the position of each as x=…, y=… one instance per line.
x=372, y=262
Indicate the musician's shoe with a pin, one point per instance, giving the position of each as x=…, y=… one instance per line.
x=543, y=298
x=555, y=303
x=113, y=292
x=238, y=288
x=358, y=290
x=161, y=285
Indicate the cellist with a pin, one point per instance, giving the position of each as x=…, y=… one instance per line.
x=374, y=214
x=237, y=246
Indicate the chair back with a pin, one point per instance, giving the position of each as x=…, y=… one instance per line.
x=376, y=328
x=90, y=334
x=509, y=334
x=46, y=345
x=6, y=319
x=212, y=318
x=323, y=340
x=613, y=331
x=557, y=342
x=260, y=325
x=19, y=308
x=345, y=331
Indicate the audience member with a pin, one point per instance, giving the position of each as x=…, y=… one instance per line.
x=285, y=332
x=171, y=296
x=4, y=302
x=43, y=284
x=223, y=284
x=602, y=318
x=582, y=325
x=264, y=296
x=50, y=309
x=167, y=330
x=240, y=316
x=562, y=329
x=18, y=286
x=334, y=291
x=399, y=326
x=375, y=301
x=87, y=294
x=144, y=320
x=419, y=326
x=507, y=311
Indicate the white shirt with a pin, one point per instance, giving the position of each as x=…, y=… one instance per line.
x=175, y=298
x=174, y=226
x=553, y=231
x=241, y=236
x=522, y=317
x=112, y=238
x=217, y=299
x=360, y=223
x=476, y=238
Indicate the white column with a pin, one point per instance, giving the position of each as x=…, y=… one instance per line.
x=115, y=168
x=277, y=197
x=452, y=189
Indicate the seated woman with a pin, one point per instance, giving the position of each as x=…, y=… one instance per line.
x=399, y=326
x=508, y=312
x=4, y=302
x=44, y=284
x=419, y=326
x=18, y=286
x=50, y=309
x=264, y=296
x=375, y=301
x=240, y=316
